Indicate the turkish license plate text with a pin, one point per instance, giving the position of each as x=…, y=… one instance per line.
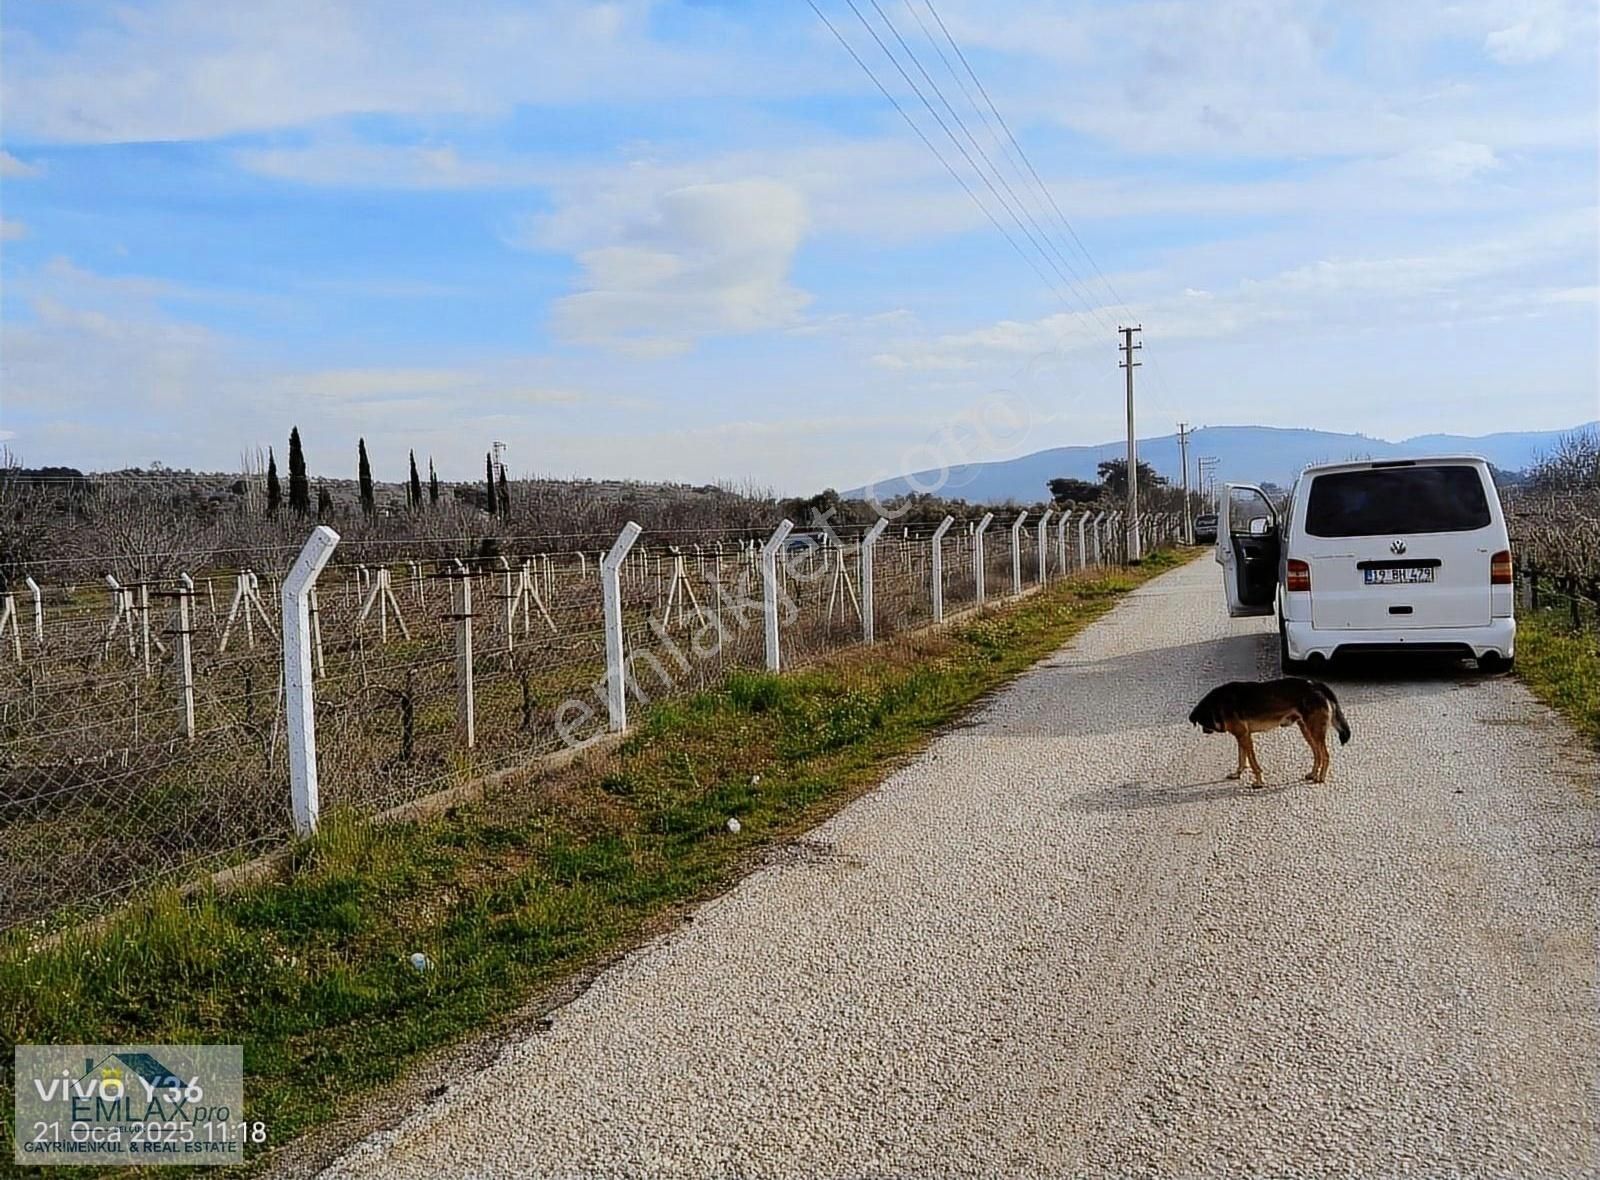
x=1404, y=575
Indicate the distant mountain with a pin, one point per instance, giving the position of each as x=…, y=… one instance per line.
x=1246, y=454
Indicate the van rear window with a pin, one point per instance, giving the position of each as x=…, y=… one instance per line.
x=1397, y=500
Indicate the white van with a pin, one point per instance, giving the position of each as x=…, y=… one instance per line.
x=1397, y=555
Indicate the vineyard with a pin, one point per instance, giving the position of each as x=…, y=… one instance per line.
x=1555, y=530
x=143, y=720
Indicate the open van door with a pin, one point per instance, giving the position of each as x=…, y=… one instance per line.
x=1249, y=541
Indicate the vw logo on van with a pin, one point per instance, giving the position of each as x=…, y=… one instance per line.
x=1397, y=546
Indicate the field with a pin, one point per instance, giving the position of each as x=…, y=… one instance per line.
x=142, y=720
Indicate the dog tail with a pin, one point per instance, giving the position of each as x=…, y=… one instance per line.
x=1339, y=723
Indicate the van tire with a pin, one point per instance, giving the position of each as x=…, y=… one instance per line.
x=1284, y=662
x=1492, y=663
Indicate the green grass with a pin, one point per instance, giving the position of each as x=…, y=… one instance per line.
x=548, y=876
x=1562, y=666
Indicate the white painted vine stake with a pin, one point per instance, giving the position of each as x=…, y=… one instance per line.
x=769, y=588
x=246, y=600
x=1044, y=548
x=977, y=555
x=299, y=703
x=868, y=612
x=841, y=582
x=680, y=590
x=611, y=606
x=8, y=620
x=936, y=552
x=1016, y=552
x=382, y=596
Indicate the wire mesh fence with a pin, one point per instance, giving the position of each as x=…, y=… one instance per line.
x=143, y=716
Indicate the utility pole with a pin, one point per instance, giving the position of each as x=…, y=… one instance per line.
x=1128, y=363
x=1183, y=464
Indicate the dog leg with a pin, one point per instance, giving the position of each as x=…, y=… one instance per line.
x=1250, y=753
x=1316, y=757
x=1238, y=771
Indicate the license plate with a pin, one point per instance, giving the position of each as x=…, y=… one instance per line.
x=1403, y=576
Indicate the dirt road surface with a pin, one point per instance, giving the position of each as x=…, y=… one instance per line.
x=1059, y=944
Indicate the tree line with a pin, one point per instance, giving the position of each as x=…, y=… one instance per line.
x=495, y=498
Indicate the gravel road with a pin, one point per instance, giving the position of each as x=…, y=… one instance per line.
x=1059, y=944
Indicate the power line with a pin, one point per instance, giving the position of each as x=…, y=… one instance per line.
x=1076, y=279
x=1023, y=156
x=1038, y=181
x=928, y=143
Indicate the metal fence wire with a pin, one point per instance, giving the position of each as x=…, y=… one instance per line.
x=143, y=716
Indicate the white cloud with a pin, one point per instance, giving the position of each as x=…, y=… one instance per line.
x=14, y=169
x=1493, y=277
x=700, y=260
x=194, y=69
x=1539, y=30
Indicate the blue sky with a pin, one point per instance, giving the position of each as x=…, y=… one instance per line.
x=693, y=241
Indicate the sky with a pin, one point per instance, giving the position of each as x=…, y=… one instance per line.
x=696, y=241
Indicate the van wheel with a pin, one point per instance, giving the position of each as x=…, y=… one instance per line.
x=1284, y=662
x=1492, y=663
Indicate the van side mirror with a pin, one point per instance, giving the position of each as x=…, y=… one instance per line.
x=1259, y=526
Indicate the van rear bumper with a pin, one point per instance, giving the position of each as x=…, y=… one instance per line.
x=1499, y=637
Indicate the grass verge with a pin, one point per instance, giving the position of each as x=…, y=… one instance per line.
x=548, y=876
x=1562, y=667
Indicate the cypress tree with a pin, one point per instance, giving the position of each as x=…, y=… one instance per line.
x=274, y=488
x=299, y=486
x=505, y=493
x=324, y=503
x=433, y=483
x=414, y=489
x=488, y=475
x=369, y=501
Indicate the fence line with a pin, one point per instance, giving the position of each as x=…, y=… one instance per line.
x=152, y=725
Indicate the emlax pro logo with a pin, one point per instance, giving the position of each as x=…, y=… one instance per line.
x=131, y=1104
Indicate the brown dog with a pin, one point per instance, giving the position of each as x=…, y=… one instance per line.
x=1242, y=708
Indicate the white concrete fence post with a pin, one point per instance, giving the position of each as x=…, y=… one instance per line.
x=1061, y=541
x=1083, y=551
x=1097, y=530
x=868, y=615
x=937, y=551
x=186, y=652
x=611, y=596
x=38, y=611
x=1016, y=552
x=1044, y=547
x=977, y=554
x=299, y=704
x=769, y=588
x=461, y=616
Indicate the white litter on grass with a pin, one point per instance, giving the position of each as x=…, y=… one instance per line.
x=733, y=825
x=755, y=779
x=420, y=961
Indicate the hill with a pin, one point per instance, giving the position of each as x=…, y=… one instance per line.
x=1248, y=454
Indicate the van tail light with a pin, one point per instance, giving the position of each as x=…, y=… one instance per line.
x=1500, y=568
x=1299, y=576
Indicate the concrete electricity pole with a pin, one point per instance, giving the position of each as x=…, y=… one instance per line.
x=1128, y=363
x=1183, y=465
